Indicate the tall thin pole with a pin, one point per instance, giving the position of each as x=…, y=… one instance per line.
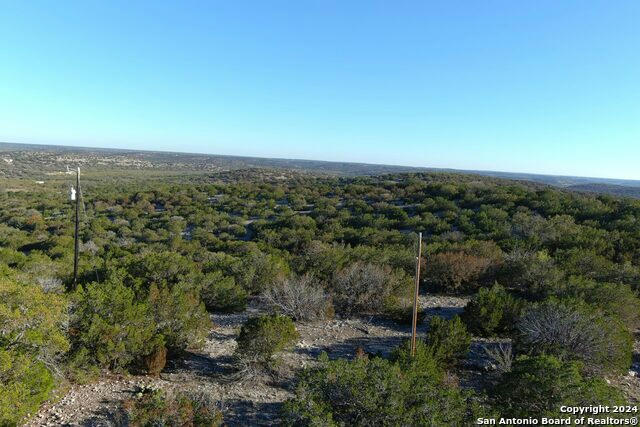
x=76, y=243
x=414, y=325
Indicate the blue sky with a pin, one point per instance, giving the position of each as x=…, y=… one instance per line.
x=527, y=86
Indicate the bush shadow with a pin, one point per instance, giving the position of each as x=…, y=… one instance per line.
x=241, y=412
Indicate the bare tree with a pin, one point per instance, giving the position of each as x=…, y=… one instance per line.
x=501, y=356
x=299, y=297
x=558, y=328
x=572, y=332
x=50, y=284
x=89, y=247
x=362, y=288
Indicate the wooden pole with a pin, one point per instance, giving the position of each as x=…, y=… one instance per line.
x=76, y=243
x=415, y=298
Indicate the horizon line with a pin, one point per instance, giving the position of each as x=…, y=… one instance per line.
x=424, y=168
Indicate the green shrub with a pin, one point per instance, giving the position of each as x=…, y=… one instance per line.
x=161, y=408
x=534, y=275
x=32, y=321
x=159, y=268
x=81, y=366
x=222, y=294
x=589, y=264
x=121, y=321
x=253, y=271
x=171, y=284
x=424, y=360
x=180, y=316
x=115, y=328
x=449, y=339
x=367, y=392
x=24, y=385
x=261, y=337
x=492, y=311
x=572, y=330
x=321, y=258
x=538, y=386
x=612, y=298
x=12, y=257
x=32, y=342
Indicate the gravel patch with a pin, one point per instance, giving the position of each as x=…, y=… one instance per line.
x=245, y=401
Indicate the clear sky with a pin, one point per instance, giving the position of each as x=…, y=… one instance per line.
x=545, y=86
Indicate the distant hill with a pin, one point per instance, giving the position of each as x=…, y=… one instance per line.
x=561, y=180
x=37, y=161
x=616, y=190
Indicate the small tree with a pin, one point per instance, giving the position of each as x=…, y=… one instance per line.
x=221, y=294
x=377, y=392
x=615, y=299
x=115, y=329
x=424, y=359
x=33, y=322
x=492, y=311
x=449, y=339
x=539, y=386
x=534, y=275
x=25, y=384
x=180, y=316
x=32, y=341
x=262, y=337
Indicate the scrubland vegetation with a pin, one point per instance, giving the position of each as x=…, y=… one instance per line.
x=556, y=273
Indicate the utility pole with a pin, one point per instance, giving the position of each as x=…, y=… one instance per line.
x=415, y=298
x=76, y=243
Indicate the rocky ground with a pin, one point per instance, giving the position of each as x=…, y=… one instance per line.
x=256, y=400
x=630, y=383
